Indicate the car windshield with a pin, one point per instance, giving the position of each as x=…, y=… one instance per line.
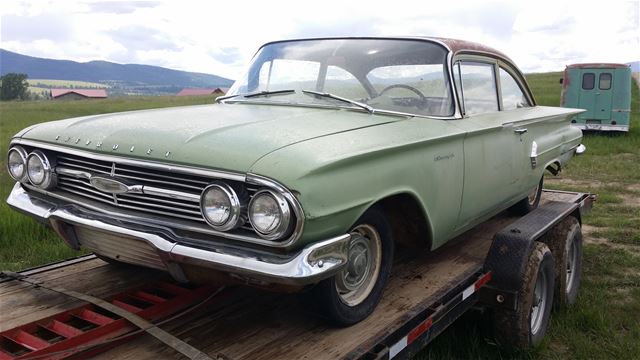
x=407, y=76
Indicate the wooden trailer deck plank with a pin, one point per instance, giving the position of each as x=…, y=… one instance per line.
x=21, y=303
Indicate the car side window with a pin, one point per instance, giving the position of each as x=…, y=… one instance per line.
x=604, y=81
x=478, y=84
x=512, y=95
x=588, y=81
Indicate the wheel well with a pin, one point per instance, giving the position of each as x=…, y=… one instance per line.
x=554, y=167
x=408, y=221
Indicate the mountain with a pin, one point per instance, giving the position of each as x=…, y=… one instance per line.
x=123, y=76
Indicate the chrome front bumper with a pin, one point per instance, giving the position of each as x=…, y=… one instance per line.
x=312, y=264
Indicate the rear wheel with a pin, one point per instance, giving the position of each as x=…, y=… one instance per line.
x=353, y=293
x=531, y=202
x=565, y=243
x=525, y=327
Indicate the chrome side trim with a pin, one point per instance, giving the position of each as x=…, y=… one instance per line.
x=127, y=161
x=312, y=264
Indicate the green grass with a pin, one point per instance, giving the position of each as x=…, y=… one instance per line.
x=23, y=242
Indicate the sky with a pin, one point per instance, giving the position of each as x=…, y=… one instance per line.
x=220, y=37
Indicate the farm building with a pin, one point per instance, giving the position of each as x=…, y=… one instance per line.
x=200, y=91
x=78, y=94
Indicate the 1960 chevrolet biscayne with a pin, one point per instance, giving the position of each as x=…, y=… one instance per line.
x=326, y=155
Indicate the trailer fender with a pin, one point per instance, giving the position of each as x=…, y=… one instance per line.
x=510, y=251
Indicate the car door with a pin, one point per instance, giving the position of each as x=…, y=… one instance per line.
x=491, y=150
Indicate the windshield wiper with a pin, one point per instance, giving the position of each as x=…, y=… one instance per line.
x=340, y=98
x=255, y=94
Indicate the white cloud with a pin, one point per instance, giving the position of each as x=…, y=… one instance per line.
x=220, y=37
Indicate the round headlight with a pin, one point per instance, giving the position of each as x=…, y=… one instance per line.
x=17, y=163
x=39, y=170
x=221, y=207
x=269, y=214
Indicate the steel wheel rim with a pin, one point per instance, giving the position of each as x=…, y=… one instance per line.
x=533, y=195
x=539, y=303
x=356, y=281
x=572, y=263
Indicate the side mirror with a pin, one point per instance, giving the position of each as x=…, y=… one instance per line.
x=561, y=80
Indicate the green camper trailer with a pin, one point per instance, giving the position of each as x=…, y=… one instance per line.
x=603, y=90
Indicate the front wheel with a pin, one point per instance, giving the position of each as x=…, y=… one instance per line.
x=353, y=293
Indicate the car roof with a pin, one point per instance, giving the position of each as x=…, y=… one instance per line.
x=453, y=45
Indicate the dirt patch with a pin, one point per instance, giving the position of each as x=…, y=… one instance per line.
x=633, y=187
x=630, y=200
x=578, y=183
x=623, y=156
x=623, y=296
x=589, y=238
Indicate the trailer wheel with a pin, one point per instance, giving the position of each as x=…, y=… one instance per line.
x=531, y=202
x=353, y=293
x=525, y=327
x=565, y=243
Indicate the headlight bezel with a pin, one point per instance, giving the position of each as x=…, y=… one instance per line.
x=23, y=156
x=234, y=220
x=49, y=179
x=284, y=207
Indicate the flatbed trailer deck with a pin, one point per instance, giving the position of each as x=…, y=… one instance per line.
x=426, y=292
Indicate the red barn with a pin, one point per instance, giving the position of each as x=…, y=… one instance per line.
x=78, y=94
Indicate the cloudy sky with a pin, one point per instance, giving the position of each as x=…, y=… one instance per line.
x=219, y=37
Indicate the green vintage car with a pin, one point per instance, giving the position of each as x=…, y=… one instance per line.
x=325, y=156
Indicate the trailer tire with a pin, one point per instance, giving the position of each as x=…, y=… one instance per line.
x=565, y=243
x=326, y=298
x=529, y=203
x=525, y=327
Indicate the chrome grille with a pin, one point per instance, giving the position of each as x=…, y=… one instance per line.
x=156, y=204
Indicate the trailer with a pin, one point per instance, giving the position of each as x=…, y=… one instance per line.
x=515, y=267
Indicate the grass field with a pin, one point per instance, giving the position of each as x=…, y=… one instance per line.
x=604, y=324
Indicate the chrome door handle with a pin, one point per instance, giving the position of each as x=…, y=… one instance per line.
x=520, y=131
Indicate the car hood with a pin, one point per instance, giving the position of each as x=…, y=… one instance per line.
x=228, y=137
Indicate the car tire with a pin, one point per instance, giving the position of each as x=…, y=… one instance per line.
x=531, y=202
x=525, y=327
x=565, y=243
x=352, y=294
